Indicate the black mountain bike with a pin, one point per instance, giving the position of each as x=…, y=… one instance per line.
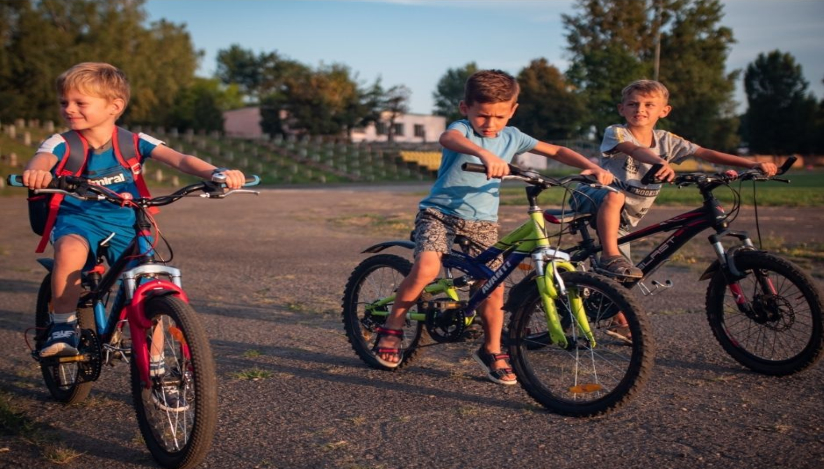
x=763, y=309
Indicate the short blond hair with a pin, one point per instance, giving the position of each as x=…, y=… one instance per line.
x=645, y=87
x=95, y=79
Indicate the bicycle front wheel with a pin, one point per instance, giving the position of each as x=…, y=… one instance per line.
x=177, y=412
x=64, y=381
x=585, y=378
x=778, y=330
x=375, y=278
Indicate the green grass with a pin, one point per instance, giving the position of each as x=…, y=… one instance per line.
x=806, y=189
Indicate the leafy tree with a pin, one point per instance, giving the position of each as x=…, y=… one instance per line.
x=450, y=91
x=201, y=105
x=43, y=38
x=547, y=110
x=781, y=115
x=614, y=42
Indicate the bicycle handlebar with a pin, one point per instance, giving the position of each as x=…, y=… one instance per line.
x=80, y=188
x=533, y=177
x=707, y=179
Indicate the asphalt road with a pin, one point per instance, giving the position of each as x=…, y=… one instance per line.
x=266, y=275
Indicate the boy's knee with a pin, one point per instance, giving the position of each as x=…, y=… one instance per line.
x=614, y=198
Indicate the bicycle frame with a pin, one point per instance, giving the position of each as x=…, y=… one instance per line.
x=528, y=240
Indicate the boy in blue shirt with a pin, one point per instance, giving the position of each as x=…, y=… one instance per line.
x=92, y=97
x=464, y=203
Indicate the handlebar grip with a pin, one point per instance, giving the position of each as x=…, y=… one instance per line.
x=650, y=178
x=787, y=165
x=252, y=181
x=15, y=180
x=474, y=168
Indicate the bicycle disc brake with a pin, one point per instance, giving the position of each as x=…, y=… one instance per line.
x=773, y=311
x=445, y=319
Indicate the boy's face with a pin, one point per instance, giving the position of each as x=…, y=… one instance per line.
x=83, y=112
x=488, y=119
x=643, y=110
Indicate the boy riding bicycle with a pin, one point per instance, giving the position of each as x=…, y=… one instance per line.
x=629, y=151
x=464, y=203
x=92, y=97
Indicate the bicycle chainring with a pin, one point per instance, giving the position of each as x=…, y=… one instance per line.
x=446, y=326
x=89, y=370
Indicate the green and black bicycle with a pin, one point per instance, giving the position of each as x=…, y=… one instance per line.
x=557, y=336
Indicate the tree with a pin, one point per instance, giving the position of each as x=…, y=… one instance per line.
x=547, y=110
x=201, y=105
x=781, y=115
x=450, y=91
x=41, y=39
x=396, y=103
x=614, y=42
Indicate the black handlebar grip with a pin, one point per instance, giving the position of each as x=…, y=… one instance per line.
x=473, y=167
x=787, y=165
x=650, y=178
x=15, y=180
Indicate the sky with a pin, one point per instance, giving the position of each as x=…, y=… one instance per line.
x=415, y=42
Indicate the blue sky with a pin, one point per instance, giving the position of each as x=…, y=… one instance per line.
x=414, y=42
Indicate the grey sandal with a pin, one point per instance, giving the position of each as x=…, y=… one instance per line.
x=618, y=266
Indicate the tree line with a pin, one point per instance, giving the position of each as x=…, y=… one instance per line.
x=610, y=43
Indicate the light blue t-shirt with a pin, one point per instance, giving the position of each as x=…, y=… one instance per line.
x=470, y=195
x=102, y=168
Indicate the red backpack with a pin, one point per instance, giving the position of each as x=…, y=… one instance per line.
x=43, y=208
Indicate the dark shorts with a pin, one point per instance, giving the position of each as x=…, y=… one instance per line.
x=435, y=232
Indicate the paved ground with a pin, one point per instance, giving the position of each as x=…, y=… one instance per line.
x=267, y=273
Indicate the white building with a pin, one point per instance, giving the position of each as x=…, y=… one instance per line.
x=408, y=128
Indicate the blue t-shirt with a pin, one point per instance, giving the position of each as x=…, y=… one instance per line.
x=102, y=168
x=470, y=195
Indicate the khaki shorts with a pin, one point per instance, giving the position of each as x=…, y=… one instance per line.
x=435, y=232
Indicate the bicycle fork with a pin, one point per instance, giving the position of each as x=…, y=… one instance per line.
x=549, y=293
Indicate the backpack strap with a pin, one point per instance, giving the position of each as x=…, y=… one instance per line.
x=77, y=151
x=128, y=154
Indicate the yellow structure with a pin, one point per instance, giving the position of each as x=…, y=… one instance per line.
x=428, y=159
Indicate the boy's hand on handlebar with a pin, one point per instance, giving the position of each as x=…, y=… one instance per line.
x=234, y=178
x=666, y=173
x=37, y=178
x=769, y=169
x=495, y=167
x=603, y=176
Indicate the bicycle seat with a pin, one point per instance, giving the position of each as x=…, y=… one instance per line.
x=556, y=216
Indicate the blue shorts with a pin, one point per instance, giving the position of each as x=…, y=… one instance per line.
x=93, y=234
x=588, y=199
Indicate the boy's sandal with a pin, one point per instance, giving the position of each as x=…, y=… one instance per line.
x=498, y=375
x=397, y=351
x=621, y=333
x=619, y=266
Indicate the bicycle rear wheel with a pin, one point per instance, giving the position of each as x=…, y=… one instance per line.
x=178, y=434
x=585, y=379
x=64, y=381
x=782, y=331
x=375, y=278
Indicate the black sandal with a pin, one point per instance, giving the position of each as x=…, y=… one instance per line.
x=383, y=331
x=486, y=360
x=618, y=266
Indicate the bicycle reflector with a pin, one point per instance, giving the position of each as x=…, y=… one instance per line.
x=585, y=388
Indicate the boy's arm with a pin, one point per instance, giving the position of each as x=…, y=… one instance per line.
x=195, y=166
x=37, y=174
x=726, y=159
x=455, y=141
x=573, y=158
x=646, y=155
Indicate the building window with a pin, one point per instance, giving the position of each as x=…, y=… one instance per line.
x=419, y=131
x=380, y=128
x=398, y=130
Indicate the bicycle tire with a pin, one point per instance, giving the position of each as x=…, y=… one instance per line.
x=374, y=278
x=61, y=380
x=178, y=439
x=581, y=381
x=785, y=334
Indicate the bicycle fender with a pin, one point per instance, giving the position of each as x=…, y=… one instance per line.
x=46, y=262
x=388, y=244
x=138, y=323
x=710, y=271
